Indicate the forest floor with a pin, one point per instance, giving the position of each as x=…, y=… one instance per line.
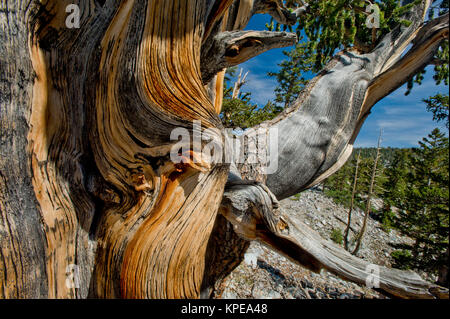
x=266, y=274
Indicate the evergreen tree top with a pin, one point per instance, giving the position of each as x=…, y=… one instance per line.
x=328, y=26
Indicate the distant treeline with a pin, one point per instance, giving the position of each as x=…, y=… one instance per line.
x=413, y=184
x=386, y=153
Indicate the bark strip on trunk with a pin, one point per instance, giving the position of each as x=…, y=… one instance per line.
x=22, y=238
x=86, y=179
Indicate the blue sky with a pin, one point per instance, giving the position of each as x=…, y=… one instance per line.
x=404, y=119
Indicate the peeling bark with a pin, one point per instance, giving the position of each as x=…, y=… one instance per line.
x=86, y=178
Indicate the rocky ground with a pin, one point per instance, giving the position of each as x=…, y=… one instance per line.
x=266, y=274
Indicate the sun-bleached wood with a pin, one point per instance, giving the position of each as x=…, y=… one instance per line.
x=86, y=178
x=230, y=48
x=256, y=215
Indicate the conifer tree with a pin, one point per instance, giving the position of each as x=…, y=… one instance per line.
x=395, y=185
x=238, y=111
x=438, y=105
x=424, y=204
x=88, y=108
x=291, y=77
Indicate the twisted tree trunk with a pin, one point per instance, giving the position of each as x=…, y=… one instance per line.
x=87, y=183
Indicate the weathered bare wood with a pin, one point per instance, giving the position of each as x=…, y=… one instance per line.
x=153, y=244
x=277, y=10
x=231, y=48
x=397, y=69
x=322, y=124
x=238, y=84
x=22, y=238
x=317, y=133
x=256, y=215
x=98, y=142
x=86, y=117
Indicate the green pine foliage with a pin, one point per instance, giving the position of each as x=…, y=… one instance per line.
x=336, y=236
x=413, y=184
x=240, y=112
x=441, y=74
x=291, y=76
x=441, y=71
x=438, y=105
x=339, y=185
x=395, y=186
x=424, y=205
x=329, y=26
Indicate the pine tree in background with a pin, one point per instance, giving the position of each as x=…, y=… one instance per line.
x=352, y=201
x=410, y=204
x=324, y=28
x=291, y=76
x=411, y=186
x=395, y=186
x=339, y=186
x=237, y=109
x=438, y=105
x=370, y=194
x=327, y=26
x=424, y=202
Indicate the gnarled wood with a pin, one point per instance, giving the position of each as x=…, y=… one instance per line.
x=316, y=134
x=232, y=48
x=255, y=214
x=22, y=238
x=99, y=148
x=86, y=176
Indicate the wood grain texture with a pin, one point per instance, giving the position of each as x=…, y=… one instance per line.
x=100, y=121
x=231, y=48
x=315, y=138
x=256, y=215
x=22, y=239
x=86, y=178
x=153, y=244
x=316, y=134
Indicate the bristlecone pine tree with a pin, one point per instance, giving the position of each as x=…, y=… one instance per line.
x=87, y=185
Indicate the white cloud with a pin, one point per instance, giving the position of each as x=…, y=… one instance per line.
x=262, y=88
x=404, y=119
